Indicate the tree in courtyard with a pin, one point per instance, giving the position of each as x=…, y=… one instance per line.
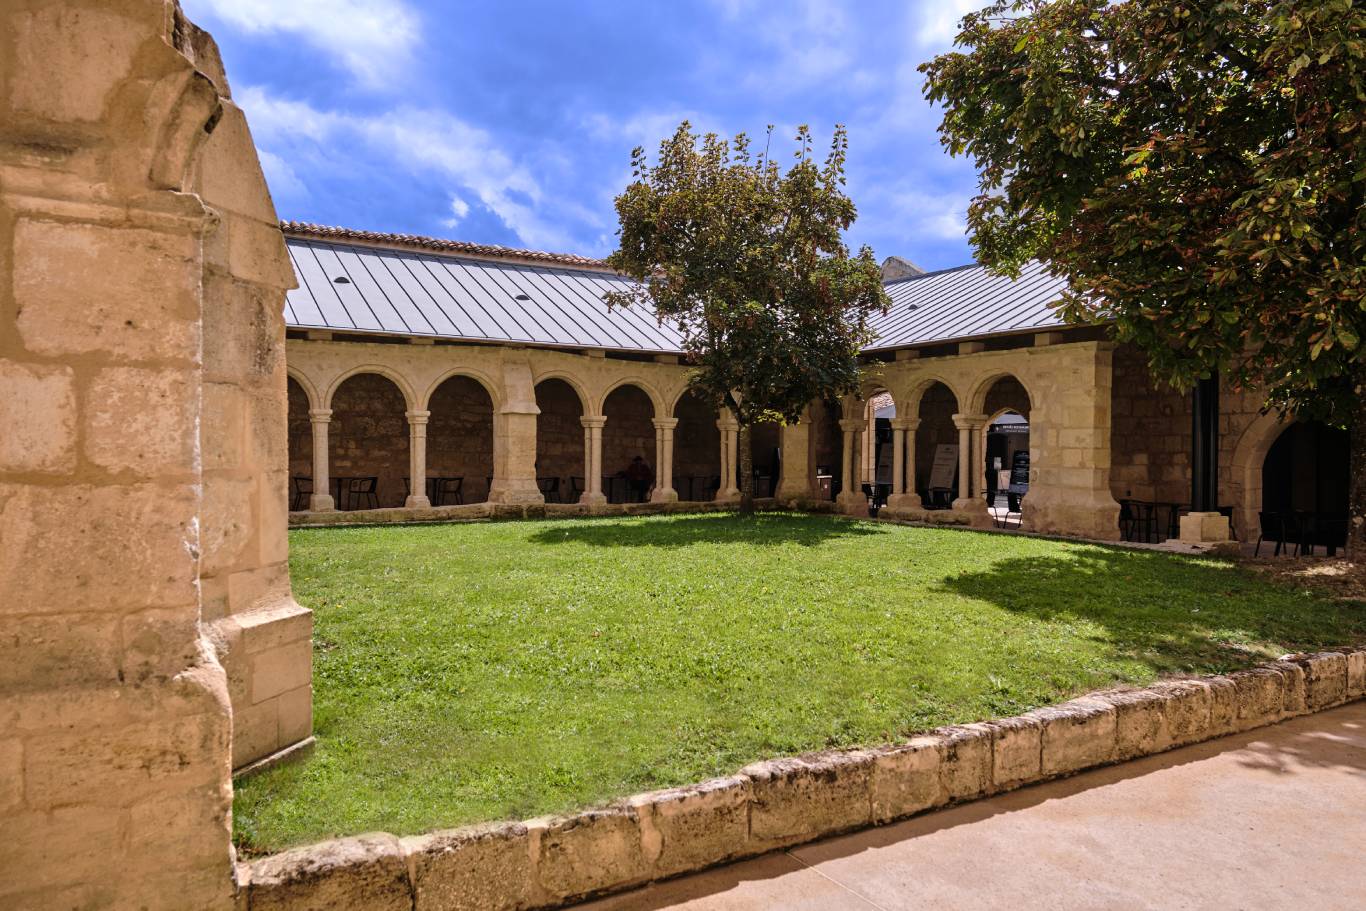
x=1195, y=170
x=750, y=263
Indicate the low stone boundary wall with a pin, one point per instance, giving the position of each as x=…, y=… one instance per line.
x=775, y=804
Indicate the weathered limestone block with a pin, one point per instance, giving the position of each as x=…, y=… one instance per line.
x=589, y=852
x=904, y=779
x=37, y=413
x=480, y=868
x=1356, y=674
x=1325, y=679
x=1076, y=735
x=1189, y=707
x=366, y=871
x=1295, y=702
x=799, y=799
x=1016, y=752
x=139, y=420
x=1140, y=722
x=1261, y=696
x=692, y=827
x=965, y=770
x=1223, y=710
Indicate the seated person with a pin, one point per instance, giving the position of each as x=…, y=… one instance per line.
x=639, y=476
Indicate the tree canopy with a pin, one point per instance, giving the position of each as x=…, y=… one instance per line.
x=1194, y=169
x=750, y=262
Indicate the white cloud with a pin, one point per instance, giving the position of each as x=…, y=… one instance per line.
x=905, y=211
x=373, y=39
x=424, y=142
x=936, y=24
x=459, y=209
x=284, y=183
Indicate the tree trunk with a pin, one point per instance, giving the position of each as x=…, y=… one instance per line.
x=1356, y=498
x=746, y=472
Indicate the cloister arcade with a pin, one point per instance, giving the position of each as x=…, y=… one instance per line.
x=439, y=424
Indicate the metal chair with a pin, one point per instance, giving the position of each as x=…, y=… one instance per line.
x=301, y=489
x=550, y=489
x=447, y=489
x=576, y=488
x=362, y=490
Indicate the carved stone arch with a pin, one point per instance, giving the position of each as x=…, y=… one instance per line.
x=921, y=385
x=977, y=398
x=409, y=397
x=307, y=385
x=656, y=399
x=573, y=382
x=1249, y=454
x=483, y=379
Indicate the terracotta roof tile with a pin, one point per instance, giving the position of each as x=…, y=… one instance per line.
x=418, y=241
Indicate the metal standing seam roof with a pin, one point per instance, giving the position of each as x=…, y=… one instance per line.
x=966, y=302
x=472, y=292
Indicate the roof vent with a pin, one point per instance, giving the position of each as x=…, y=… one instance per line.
x=523, y=297
x=342, y=280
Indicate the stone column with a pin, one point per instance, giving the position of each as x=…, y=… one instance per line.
x=969, y=430
x=321, y=498
x=904, y=495
x=796, y=481
x=851, y=499
x=417, y=460
x=592, y=460
x=730, y=451
x=664, y=461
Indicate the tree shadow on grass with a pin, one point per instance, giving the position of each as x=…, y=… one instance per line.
x=1170, y=612
x=684, y=531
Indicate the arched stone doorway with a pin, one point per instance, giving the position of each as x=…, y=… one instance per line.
x=368, y=440
x=827, y=449
x=697, y=449
x=1006, y=449
x=1307, y=470
x=300, y=443
x=936, y=473
x=628, y=435
x=560, y=472
x=459, y=442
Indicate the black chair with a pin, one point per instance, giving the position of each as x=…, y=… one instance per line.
x=1329, y=531
x=361, y=490
x=447, y=490
x=1271, y=527
x=1137, y=517
x=550, y=489
x=576, y=488
x=300, y=489
x=939, y=498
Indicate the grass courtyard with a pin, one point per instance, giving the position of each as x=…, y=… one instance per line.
x=476, y=672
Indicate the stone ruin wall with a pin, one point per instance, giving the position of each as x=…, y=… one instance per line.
x=151, y=634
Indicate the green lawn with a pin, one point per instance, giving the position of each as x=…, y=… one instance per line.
x=475, y=672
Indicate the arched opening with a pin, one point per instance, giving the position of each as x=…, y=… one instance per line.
x=766, y=453
x=878, y=453
x=936, y=447
x=697, y=449
x=1307, y=470
x=300, y=442
x=368, y=439
x=827, y=449
x=560, y=472
x=628, y=445
x=459, y=442
x=1007, y=449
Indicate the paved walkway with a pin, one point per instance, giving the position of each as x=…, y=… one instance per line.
x=1274, y=818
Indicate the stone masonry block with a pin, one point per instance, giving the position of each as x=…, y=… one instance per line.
x=965, y=770
x=11, y=773
x=37, y=416
x=1188, y=710
x=480, y=868
x=222, y=434
x=1223, y=709
x=255, y=731
x=226, y=525
x=95, y=548
x=272, y=627
x=296, y=715
x=37, y=654
x=904, y=779
x=1295, y=701
x=1077, y=735
x=141, y=420
x=1017, y=752
x=1261, y=695
x=367, y=871
x=1356, y=674
x=800, y=799
x=1325, y=679
x=281, y=669
x=693, y=827
x=589, y=852
x=143, y=306
x=1140, y=723
x=158, y=642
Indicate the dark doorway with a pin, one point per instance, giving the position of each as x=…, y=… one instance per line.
x=1307, y=470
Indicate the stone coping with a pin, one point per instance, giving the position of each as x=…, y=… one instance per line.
x=551, y=861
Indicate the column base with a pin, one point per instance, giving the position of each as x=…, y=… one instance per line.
x=975, y=509
x=321, y=502
x=1204, y=528
x=853, y=503
x=592, y=500
x=417, y=503
x=516, y=493
x=905, y=501
x=728, y=496
x=664, y=495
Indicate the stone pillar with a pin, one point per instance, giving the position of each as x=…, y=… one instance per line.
x=851, y=499
x=514, y=437
x=730, y=450
x=321, y=498
x=417, y=460
x=796, y=481
x=592, y=460
x=904, y=495
x=664, y=461
x=969, y=434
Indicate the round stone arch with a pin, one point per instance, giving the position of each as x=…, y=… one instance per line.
x=409, y=398
x=656, y=400
x=1246, y=466
x=478, y=376
x=977, y=398
x=923, y=384
x=573, y=382
x=307, y=385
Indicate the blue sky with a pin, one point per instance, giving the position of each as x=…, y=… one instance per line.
x=512, y=122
